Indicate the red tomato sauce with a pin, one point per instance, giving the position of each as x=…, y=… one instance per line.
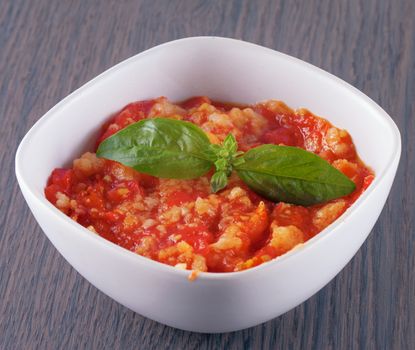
x=180, y=222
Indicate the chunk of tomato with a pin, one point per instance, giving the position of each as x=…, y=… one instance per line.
x=285, y=136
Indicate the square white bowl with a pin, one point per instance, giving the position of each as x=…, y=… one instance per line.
x=227, y=70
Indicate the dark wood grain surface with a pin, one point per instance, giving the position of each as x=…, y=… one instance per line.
x=50, y=48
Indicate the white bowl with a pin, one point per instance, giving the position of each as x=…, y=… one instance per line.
x=227, y=70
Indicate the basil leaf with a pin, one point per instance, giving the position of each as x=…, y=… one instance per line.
x=293, y=175
x=230, y=144
x=221, y=164
x=218, y=181
x=161, y=147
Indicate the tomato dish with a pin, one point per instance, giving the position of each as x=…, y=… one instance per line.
x=183, y=223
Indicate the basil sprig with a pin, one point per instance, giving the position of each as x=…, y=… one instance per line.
x=169, y=148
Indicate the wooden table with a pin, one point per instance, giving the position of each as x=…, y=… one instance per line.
x=50, y=48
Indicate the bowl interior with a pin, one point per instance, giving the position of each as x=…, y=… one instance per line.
x=223, y=69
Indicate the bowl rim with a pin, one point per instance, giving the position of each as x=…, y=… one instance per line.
x=136, y=258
